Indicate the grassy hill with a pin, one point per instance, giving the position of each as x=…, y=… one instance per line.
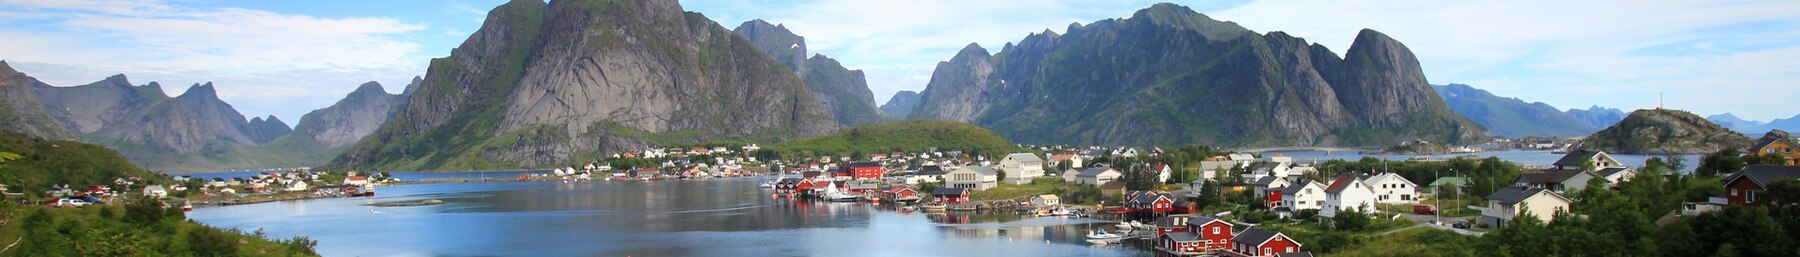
x=909, y=135
x=42, y=163
x=1662, y=131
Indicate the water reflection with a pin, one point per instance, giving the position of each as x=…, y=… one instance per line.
x=729, y=217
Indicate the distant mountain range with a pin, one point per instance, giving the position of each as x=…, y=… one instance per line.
x=1755, y=127
x=901, y=104
x=844, y=93
x=1511, y=117
x=1171, y=76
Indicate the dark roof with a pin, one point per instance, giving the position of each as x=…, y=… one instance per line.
x=1266, y=180
x=931, y=170
x=948, y=191
x=1181, y=237
x=1763, y=174
x=1550, y=176
x=1197, y=221
x=1513, y=194
x=1295, y=187
x=1147, y=198
x=1254, y=236
x=1092, y=172
x=1574, y=158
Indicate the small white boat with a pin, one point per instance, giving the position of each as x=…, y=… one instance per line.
x=1129, y=225
x=1100, y=236
x=770, y=184
x=1062, y=212
x=840, y=197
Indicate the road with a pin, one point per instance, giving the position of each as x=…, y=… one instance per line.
x=1426, y=221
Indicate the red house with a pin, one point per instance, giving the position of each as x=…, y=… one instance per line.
x=1274, y=197
x=865, y=170
x=1214, y=234
x=1149, y=201
x=1259, y=243
x=893, y=193
x=951, y=195
x=805, y=185
x=1748, y=185
x=1171, y=224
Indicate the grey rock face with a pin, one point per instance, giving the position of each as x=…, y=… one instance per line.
x=957, y=87
x=349, y=120
x=844, y=93
x=902, y=104
x=22, y=111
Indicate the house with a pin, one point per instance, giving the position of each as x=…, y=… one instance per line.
x=156, y=191
x=1303, y=194
x=927, y=173
x=1347, y=193
x=865, y=170
x=1148, y=201
x=1616, y=175
x=951, y=195
x=1599, y=160
x=1045, y=200
x=356, y=181
x=1260, y=242
x=1262, y=185
x=897, y=194
x=1266, y=169
x=787, y=185
x=1777, y=142
x=1559, y=181
x=1094, y=176
x=1391, y=188
x=1112, y=189
x=1021, y=168
x=295, y=185
x=1215, y=235
x=1171, y=224
x=1748, y=185
x=1163, y=172
x=972, y=177
x=1511, y=202
x=1073, y=158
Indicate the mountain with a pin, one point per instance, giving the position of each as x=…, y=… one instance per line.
x=20, y=109
x=1749, y=127
x=1662, y=131
x=1596, y=116
x=350, y=119
x=543, y=84
x=195, y=131
x=844, y=93
x=910, y=135
x=902, y=104
x=45, y=163
x=265, y=130
x=1172, y=76
x=1511, y=117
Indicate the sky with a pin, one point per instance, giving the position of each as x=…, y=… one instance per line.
x=286, y=58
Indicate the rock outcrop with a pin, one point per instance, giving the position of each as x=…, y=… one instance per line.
x=844, y=93
x=1172, y=76
x=542, y=84
x=1663, y=131
x=22, y=111
x=902, y=104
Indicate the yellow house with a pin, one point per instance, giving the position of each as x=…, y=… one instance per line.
x=1777, y=142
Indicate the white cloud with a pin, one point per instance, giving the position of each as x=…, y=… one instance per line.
x=264, y=62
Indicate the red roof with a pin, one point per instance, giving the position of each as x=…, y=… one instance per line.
x=1340, y=183
x=356, y=178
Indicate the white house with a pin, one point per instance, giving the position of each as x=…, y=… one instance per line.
x=296, y=185
x=1510, y=202
x=1092, y=176
x=1303, y=194
x=1021, y=168
x=1163, y=172
x=1261, y=186
x=156, y=191
x=1347, y=193
x=972, y=177
x=1616, y=175
x=1393, y=189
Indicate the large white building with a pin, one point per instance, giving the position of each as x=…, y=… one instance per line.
x=972, y=177
x=1393, y=189
x=1021, y=168
x=1347, y=193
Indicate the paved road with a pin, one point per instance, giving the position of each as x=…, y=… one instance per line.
x=1426, y=221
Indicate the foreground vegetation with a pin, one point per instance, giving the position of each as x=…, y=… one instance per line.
x=139, y=228
x=35, y=164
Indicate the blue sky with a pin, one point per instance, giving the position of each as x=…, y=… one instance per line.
x=289, y=57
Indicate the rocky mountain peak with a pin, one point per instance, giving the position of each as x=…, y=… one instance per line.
x=200, y=91
x=1664, y=131
x=778, y=42
x=1174, y=15
x=970, y=52
x=367, y=89
x=413, y=86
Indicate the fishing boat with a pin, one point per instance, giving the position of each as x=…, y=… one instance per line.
x=934, y=207
x=1061, y=213
x=1130, y=225
x=1100, y=236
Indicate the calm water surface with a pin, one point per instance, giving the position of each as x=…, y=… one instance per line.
x=724, y=217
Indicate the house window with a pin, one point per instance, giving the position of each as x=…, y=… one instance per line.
x=1733, y=192
x=1290, y=249
x=1215, y=230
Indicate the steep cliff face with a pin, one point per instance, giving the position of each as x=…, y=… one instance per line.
x=1662, y=131
x=22, y=111
x=844, y=93
x=195, y=131
x=1171, y=76
x=349, y=120
x=268, y=129
x=1512, y=117
x=541, y=84
x=902, y=104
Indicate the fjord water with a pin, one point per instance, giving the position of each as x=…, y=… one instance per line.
x=722, y=217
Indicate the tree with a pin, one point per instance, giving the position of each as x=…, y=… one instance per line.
x=1350, y=221
x=1721, y=162
x=1000, y=175
x=206, y=241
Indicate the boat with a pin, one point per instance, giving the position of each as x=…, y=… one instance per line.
x=1062, y=213
x=1100, y=236
x=963, y=207
x=934, y=207
x=1130, y=225
x=839, y=197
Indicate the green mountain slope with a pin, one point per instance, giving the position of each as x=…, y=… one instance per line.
x=909, y=136
x=1511, y=117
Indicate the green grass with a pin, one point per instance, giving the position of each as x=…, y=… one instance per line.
x=1414, y=242
x=1019, y=192
x=44, y=163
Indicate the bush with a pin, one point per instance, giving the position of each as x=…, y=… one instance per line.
x=205, y=241
x=1350, y=221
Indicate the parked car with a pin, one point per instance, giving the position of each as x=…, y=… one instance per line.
x=1462, y=224
x=1425, y=209
x=65, y=202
